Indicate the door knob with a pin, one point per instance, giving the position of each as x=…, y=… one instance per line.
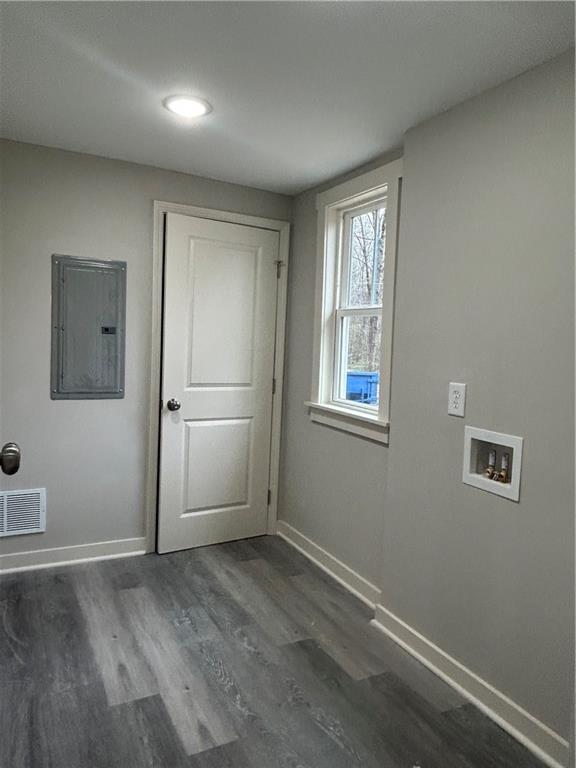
x=10, y=458
x=173, y=405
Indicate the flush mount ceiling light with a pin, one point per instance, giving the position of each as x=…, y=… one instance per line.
x=187, y=106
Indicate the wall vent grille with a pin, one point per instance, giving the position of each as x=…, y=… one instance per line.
x=22, y=512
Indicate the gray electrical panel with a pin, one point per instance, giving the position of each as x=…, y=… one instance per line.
x=88, y=328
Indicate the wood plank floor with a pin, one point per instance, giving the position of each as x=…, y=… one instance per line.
x=242, y=655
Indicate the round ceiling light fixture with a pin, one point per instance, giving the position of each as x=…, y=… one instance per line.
x=187, y=106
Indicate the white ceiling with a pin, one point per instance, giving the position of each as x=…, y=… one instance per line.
x=301, y=91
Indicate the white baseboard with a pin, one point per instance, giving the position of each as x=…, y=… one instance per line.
x=541, y=740
x=48, y=558
x=342, y=573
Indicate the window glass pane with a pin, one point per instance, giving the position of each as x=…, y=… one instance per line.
x=366, y=263
x=360, y=359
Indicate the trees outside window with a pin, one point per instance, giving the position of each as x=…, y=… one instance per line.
x=360, y=311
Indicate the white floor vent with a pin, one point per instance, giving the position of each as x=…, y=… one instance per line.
x=22, y=512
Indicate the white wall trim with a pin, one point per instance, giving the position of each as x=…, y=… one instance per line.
x=362, y=184
x=332, y=205
x=283, y=229
x=541, y=740
x=536, y=736
x=346, y=420
x=81, y=553
x=279, y=348
x=342, y=573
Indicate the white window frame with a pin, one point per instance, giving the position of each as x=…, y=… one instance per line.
x=333, y=206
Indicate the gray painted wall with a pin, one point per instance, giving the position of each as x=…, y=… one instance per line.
x=90, y=455
x=486, y=296
x=485, y=288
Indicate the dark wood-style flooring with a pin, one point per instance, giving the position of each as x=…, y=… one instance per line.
x=242, y=655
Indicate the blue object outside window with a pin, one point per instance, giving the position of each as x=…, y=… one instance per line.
x=362, y=386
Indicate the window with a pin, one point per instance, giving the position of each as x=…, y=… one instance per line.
x=355, y=294
x=359, y=306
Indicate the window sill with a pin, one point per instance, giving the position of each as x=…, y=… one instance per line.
x=347, y=420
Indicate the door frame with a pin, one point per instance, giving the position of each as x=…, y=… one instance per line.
x=161, y=208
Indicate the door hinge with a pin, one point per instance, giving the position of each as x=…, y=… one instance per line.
x=273, y=386
x=269, y=496
x=279, y=265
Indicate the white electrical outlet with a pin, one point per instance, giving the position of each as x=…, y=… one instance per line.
x=456, y=399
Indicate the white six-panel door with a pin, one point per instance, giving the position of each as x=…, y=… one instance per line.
x=218, y=359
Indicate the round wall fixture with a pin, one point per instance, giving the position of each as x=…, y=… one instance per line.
x=187, y=106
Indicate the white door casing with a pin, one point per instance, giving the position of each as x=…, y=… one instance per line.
x=220, y=300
